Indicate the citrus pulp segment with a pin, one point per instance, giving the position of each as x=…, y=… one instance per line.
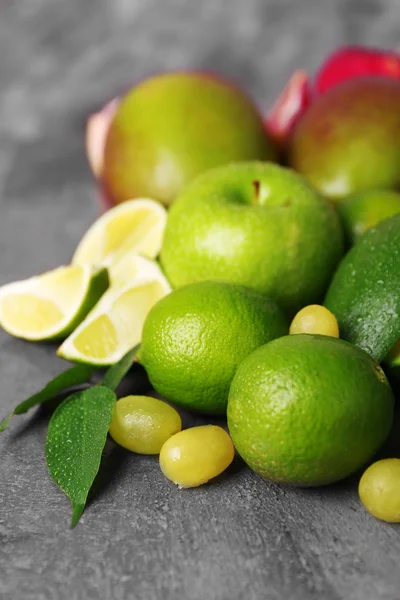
x=137, y=225
x=132, y=266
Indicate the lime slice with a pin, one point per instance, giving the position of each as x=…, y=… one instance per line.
x=50, y=306
x=136, y=225
x=116, y=322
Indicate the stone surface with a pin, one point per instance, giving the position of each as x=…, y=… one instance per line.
x=141, y=537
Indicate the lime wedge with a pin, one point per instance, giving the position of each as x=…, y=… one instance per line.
x=131, y=267
x=116, y=322
x=133, y=226
x=51, y=306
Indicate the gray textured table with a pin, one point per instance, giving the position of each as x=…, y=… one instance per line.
x=143, y=538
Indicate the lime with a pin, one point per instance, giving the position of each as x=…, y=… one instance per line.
x=364, y=292
x=309, y=409
x=50, y=306
x=362, y=211
x=195, y=338
x=254, y=224
x=115, y=323
x=136, y=226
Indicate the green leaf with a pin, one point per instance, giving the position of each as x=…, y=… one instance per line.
x=75, y=441
x=72, y=377
x=115, y=374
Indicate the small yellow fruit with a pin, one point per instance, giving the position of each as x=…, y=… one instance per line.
x=196, y=455
x=379, y=490
x=143, y=424
x=315, y=319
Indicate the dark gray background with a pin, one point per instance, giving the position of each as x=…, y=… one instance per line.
x=143, y=538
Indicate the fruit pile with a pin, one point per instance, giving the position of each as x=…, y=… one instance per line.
x=251, y=266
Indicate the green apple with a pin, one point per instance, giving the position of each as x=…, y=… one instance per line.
x=255, y=224
x=172, y=127
x=348, y=140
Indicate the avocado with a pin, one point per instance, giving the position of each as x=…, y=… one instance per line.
x=364, y=294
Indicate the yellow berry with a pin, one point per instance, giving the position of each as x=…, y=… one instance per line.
x=142, y=424
x=379, y=490
x=196, y=455
x=315, y=319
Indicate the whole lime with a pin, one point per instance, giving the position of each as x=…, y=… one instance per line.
x=309, y=410
x=255, y=224
x=195, y=338
x=172, y=127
